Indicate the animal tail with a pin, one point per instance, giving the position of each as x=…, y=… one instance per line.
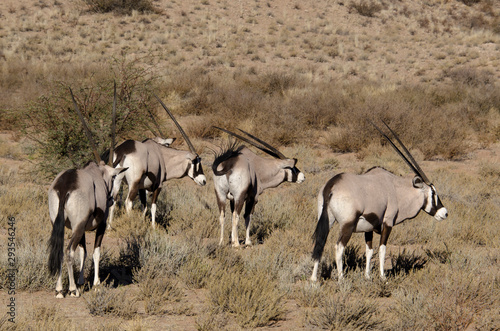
x=228, y=153
x=56, y=241
x=323, y=227
x=321, y=233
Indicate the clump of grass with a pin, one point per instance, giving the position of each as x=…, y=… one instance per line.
x=156, y=292
x=195, y=272
x=32, y=273
x=367, y=8
x=38, y=317
x=255, y=298
x=104, y=300
x=344, y=310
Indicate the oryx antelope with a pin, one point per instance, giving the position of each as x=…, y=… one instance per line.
x=241, y=176
x=79, y=199
x=372, y=202
x=151, y=163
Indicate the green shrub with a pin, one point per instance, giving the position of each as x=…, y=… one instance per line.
x=52, y=122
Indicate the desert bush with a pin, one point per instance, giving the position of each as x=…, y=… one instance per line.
x=211, y=320
x=470, y=2
x=105, y=300
x=162, y=253
x=156, y=291
x=443, y=299
x=39, y=317
x=366, y=8
x=122, y=7
x=344, y=310
x=53, y=124
x=195, y=272
x=254, y=298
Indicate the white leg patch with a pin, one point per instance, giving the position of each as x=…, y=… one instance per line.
x=97, y=256
x=381, y=252
x=339, y=253
x=369, y=254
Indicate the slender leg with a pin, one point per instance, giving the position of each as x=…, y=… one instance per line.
x=83, y=255
x=101, y=228
x=111, y=213
x=114, y=193
x=234, y=231
x=236, y=206
x=222, y=216
x=386, y=231
x=314, y=276
x=132, y=194
x=345, y=235
x=369, y=252
x=156, y=193
x=339, y=253
x=75, y=239
x=59, y=286
x=249, y=206
x=143, y=198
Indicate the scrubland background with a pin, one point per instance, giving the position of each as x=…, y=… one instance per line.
x=303, y=75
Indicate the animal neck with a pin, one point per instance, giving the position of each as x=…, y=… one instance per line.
x=410, y=201
x=272, y=174
x=176, y=163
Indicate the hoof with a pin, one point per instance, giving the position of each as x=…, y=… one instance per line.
x=59, y=295
x=75, y=294
x=236, y=245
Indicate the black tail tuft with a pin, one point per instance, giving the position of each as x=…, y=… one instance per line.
x=56, y=241
x=227, y=153
x=321, y=233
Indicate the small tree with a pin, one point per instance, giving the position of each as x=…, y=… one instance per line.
x=51, y=121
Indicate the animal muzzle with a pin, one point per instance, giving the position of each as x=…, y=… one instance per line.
x=441, y=214
x=301, y=177
x=200, y=180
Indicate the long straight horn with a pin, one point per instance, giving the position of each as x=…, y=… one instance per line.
x=191, y=147
x=86, y=129
x=420, y=171
x=156, y=124
x=280, y=155
x=113, y=128
x=396, y=149
x=253, y=143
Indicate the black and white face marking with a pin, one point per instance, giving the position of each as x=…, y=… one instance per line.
x=433, y=205
x=294, y=175
x=196, y=172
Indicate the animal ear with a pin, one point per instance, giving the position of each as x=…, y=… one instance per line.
x=165, y=142
x=168, y=141
x=418, y=182
x=118, y=171
x=289, y=163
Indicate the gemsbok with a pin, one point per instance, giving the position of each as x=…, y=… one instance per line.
x=241, y=176
x=150, y=163
x=372, y=202
x=79, y=199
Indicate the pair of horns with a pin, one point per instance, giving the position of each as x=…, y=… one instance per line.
x=89, y=134
x=409, y=159
x=260, y=144
x=191, y=147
